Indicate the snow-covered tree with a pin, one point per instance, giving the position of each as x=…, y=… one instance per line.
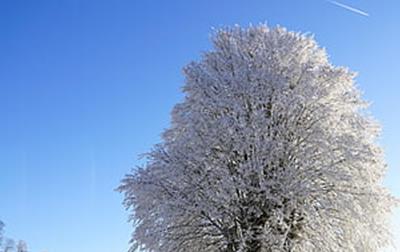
x=9, y=244
x=22, y=246
x=1, y=233
x=272, y=149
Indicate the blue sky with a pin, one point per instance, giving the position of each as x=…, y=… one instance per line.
x=87, y=86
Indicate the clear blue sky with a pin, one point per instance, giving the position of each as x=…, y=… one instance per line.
x=86, y=86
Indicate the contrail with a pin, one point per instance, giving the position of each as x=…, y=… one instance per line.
x=355, y=10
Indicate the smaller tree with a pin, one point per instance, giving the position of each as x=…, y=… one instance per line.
x=22, y=247
x=1, y=232
x=9, y=244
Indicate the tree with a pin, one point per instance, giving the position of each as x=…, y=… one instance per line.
x=272, y=149
x=1, y=233
x=9, y=245
x=22, y=246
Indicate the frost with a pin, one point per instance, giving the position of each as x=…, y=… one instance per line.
x=270, y=151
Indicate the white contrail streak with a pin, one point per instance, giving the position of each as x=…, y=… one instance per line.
x=352, y=9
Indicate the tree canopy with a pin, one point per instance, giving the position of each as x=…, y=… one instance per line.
x=272, y=149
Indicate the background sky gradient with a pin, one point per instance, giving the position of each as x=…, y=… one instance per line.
x=87, y=86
